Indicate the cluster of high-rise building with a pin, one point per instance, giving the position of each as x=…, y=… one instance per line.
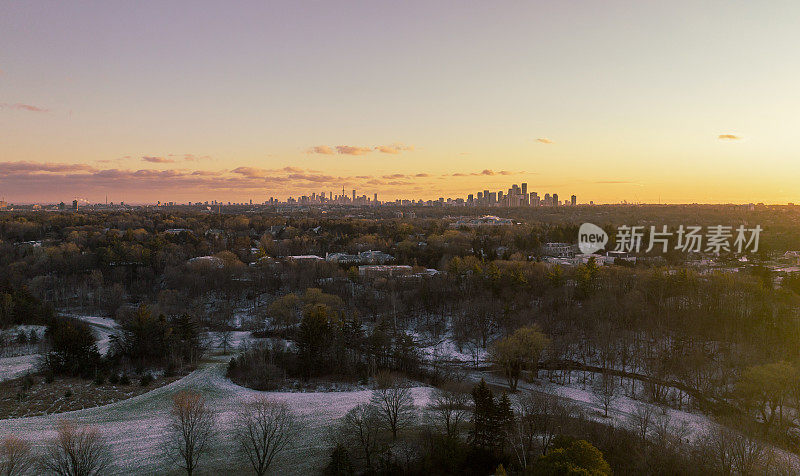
x=329, y=199
x=517, y=196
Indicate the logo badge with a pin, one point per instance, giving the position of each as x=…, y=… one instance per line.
x=591, y=238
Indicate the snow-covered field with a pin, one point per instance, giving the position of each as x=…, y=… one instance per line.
x=135, y=427
x=13, y=367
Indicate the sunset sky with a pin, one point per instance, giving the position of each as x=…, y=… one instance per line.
x=679, y=101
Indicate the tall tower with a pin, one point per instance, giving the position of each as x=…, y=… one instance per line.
x=354, y=195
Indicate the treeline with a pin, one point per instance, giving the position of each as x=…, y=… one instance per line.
x=19, y=306
x=104, y=259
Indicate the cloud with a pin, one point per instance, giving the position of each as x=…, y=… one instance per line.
x=208, y=173
x=544, y=140
x=157, y=160
x=352, y=150
x=393, y=176
x=317, y=178
x=190, y=157
x=320, y=149
x=728, y=137
x=47, y=167
x=393, y=148
x=422, y=175
x=251, y=172
x=23, y=107
x=492, y=172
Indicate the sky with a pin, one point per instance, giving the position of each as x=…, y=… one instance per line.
x=642, y=101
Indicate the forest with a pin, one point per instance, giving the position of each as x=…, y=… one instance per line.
x=486, y=359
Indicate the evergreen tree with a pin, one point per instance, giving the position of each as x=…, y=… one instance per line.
x=340, y=464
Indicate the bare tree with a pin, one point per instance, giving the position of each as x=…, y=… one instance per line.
x=15, y=456
x=394, y=403
x=643, y=419
x=76, y=451
x=449, y=409
x=718, y=446
x=360, y=429
x=191, y=430
x=606, y=391
x=539, y=419
x=225, y=340
x=263, y=430
x=749, y=454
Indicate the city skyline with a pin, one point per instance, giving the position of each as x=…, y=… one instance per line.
x=514, y=196
x=619, y=101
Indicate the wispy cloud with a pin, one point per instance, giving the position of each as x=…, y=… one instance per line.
x=394, y=148
x=352, y=150
x=190, y=157
x=728, y=137
x=47, y=167
x=320, y=149
x=492, y=172
x=251, y=172
x=157, y=160
x=23, y=107
x=544, y=140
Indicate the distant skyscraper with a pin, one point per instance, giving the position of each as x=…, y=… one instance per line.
x=75, y=205
x=555, y=200
x=354, y=195
x=573, y=200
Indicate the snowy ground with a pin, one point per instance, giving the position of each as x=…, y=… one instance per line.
x=135, y=427
x=13, y=367
x=445, y=349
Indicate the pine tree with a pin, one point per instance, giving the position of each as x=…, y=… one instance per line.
x=502, y=421
x=482, y=416
x=340, y=464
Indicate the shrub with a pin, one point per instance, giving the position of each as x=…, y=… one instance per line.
x=146, y=379
x=113, y=379
x=124, y=380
